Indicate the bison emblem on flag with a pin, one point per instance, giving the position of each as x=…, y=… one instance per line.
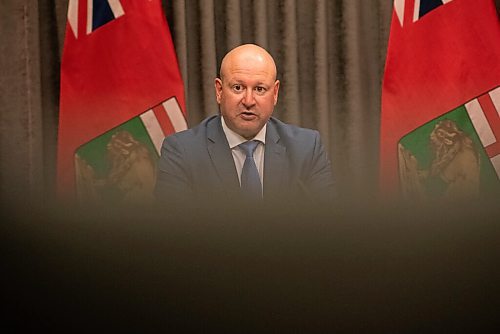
x=120, y=165
x=454, y=155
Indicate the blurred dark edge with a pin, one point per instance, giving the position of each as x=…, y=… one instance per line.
x=350, y=267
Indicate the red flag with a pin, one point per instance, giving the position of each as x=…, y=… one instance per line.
x=440, y=99
x=121, y=93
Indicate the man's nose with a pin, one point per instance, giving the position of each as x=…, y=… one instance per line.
x=248, y=98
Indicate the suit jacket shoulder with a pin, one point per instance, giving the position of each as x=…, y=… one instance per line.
x=304, y=163
x=196, y=164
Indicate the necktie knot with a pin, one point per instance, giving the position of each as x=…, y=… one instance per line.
x=249, y=147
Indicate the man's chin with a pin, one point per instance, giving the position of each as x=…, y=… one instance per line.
x=248, y=133
x=248, y=130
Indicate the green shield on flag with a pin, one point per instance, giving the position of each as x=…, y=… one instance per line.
x=118, y=166
x=444, y=158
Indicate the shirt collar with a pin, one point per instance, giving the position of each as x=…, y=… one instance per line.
x=235, y=139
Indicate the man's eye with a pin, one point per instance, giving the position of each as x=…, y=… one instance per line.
x=237, y=88
x=260, y=89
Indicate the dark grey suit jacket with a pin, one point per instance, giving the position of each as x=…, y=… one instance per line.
x=197, y=165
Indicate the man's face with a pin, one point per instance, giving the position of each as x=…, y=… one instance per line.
x=247, y=94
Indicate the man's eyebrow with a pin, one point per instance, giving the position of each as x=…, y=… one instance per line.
x=235, y=81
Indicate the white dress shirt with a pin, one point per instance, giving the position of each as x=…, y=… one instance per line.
x=239, y=156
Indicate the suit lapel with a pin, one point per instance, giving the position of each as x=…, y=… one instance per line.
x=275, y=163
x=222, y=159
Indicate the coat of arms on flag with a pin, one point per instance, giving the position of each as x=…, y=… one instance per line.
x=120, y=165
x=440, y=124
x=121, y=94
x=455, y=154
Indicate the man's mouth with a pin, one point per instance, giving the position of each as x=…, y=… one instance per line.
x=248, y=115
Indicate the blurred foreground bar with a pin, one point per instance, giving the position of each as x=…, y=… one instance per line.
x=349, y=268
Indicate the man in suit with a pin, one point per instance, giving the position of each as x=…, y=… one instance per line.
x=210, y=162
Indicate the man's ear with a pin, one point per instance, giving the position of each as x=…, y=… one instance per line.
x=218, y=89
x=276, y=90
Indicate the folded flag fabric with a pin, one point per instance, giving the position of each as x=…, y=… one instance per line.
x=440, y=122
x=121, y=94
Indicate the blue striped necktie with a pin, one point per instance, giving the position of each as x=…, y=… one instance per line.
x=250, y=179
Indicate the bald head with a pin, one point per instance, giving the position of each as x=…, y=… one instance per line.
x=247, y=89
x=248, y=54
